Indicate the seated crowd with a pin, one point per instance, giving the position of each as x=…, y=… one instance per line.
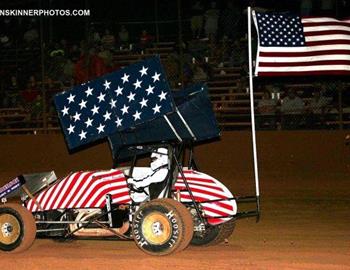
x=216, y=43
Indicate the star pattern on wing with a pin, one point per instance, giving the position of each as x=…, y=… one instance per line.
x=70, y=98
x=119, y=91
x=131, y=96
x=149, y=90
x=156, y=109
x=82, y=135
x=107, y=116
x=107, y=84
x=119, y=122
x=88, y=122
x=143, y=71
x=94, y=110
x=65, y=111
x=77, y=116
x=125, y=78
x=143, y=102
x=113, y=102
x=82, y=104
x=137, y=115
x=101, y=97
x=89, y=92
x=137, y=84
x=125, y=109
x=156, y=77
x=71, y=129
x=101, y=128
x=162, y=96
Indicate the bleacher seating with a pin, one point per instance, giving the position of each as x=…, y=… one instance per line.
x=231, y=101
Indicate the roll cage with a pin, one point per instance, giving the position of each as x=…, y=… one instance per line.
x=182, y=155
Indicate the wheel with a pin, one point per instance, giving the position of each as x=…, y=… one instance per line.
x=214, y=235
x=17, y=228
x=187, y=217
x=162, y=226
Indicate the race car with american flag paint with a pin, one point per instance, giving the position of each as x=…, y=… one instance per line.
x=163, y=205
x=186, y=207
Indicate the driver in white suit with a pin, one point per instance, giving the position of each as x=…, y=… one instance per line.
x=158, y=173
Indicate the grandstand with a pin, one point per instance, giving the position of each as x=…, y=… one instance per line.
x=229, y=97
x=225, y=75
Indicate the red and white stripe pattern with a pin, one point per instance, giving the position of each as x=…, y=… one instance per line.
x=325, y=51
x=204, y=188
x=82, y=190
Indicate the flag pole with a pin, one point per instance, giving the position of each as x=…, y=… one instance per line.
x=252, y=113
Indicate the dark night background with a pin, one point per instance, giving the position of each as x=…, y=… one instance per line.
x=135, y=14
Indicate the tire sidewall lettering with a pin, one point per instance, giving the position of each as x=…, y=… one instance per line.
x=172, y=217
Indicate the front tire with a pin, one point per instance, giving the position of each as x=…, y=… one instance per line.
x=17, y=228
x=162, y=227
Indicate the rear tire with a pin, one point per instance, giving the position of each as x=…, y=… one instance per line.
x=17, y=228
x=162, y=227
x=214, y=235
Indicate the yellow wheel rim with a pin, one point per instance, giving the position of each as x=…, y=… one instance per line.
x=10, y=229
x=156, y=228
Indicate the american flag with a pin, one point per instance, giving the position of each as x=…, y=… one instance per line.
x=114, y=102
x=292, y=45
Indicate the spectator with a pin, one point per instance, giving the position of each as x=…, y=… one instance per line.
x=197, y=19
x=123, y=36
x=229, y=21
x=57, y=50
x=64, y=46
x=211, y=21
x=318, y=103
x=107, y=57
x=145, y=40
x=11, y=94
x=31, y=98
x=238, y=54
x=74, y=53
x=94, y=36
x=68, y=71
x=7, y=26
x=305, y=7
x=89, y=66
x=267, y=111
x=199, y=74
x=292, y=108
x=5, y=41
x=56, y=65
x=316, y=109
x=222, y=51
x=31, y=37
x=327, y=8
x=172, y=67
x=108, y=40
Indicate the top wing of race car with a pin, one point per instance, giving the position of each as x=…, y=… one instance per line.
x=194, y=122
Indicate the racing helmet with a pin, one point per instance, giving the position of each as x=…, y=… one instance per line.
x=159, y=158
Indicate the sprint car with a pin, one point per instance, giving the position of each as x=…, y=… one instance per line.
x=185, y=206
x=188, y=207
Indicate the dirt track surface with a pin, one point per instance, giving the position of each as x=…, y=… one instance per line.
x=294, y=233
x=305, y=220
